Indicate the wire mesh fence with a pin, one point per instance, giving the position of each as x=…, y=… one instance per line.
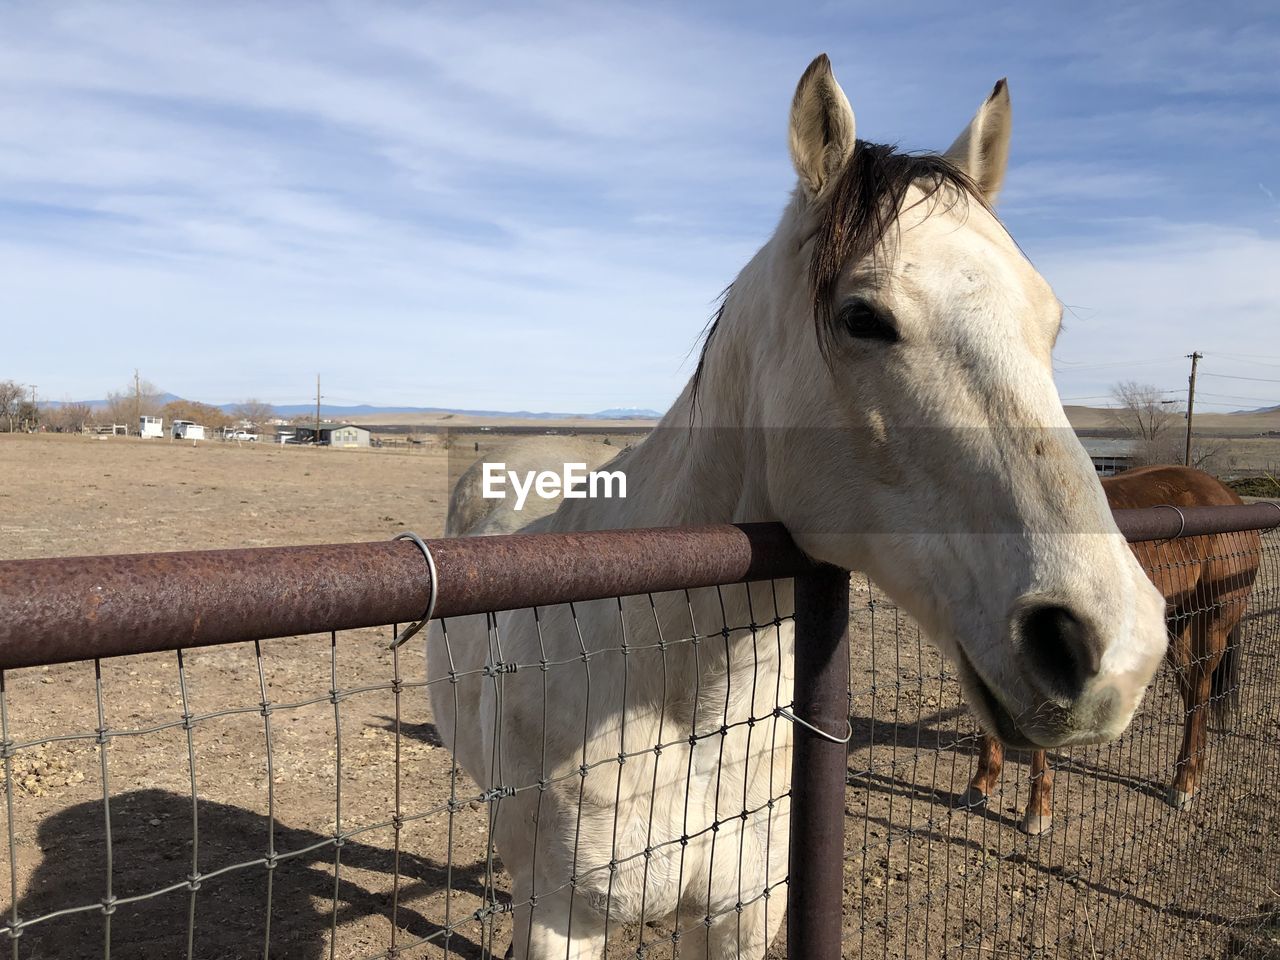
x=937, y=868
x=299, y=797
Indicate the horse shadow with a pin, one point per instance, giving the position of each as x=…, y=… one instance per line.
x=927, y=735
x=936, y=732
x=151, y=844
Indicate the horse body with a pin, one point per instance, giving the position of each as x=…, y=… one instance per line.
x=1206, y=582
x=472, y=514
x=720, y=692
x=882, y=362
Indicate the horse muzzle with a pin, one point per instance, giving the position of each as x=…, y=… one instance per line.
x=1072, y=678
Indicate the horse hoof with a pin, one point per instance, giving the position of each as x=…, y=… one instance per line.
x=1034, y=824
x=972, y=798
x=1179, y=799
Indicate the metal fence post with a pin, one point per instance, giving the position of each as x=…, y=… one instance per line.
x=818, y=766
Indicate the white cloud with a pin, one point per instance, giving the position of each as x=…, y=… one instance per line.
x=1160, y=294
x=535, y=207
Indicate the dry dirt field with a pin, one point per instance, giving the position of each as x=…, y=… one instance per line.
x=1121, y=874
x=69, y=495
x=1224, y=424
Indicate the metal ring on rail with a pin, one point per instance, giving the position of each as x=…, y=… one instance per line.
x=783, y=711
x=413, y=628
x=1182, y=518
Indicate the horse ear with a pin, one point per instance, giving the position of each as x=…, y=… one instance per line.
x=822, y=127
x=982, y=151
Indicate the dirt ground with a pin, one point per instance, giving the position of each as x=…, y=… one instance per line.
x=1121, y=874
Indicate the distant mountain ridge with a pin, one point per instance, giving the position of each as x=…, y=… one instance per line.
x=366, y=410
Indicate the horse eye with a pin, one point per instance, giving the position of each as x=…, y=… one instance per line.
x=866, y=322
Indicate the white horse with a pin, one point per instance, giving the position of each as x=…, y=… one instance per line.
x=879, y=380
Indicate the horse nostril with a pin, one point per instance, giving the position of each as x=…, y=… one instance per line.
x=1062, y=650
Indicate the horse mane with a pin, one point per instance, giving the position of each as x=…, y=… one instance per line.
x=860, y=208
x=864, y=203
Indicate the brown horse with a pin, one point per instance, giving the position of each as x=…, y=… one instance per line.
x=1206, y=582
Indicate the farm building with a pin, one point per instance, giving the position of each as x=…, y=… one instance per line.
x=187, y=430
x=334, y=435
x=1110, y=455
x=151, y=426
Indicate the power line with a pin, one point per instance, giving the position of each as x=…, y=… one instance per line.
x=1076, y=365
x=1229, y=376
x=1232, y=396
x=1260, y=360
x=1223, y=403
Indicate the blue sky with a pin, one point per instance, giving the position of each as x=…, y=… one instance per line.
x=535, y=207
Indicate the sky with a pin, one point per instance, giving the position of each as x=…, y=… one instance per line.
x=535, y=206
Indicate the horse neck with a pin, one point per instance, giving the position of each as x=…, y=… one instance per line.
x=702, y=464
x=684, y=473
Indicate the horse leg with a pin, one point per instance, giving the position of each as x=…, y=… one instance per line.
x=990, y=761
x=1196, y=692
x=1039, y=815
x=1195, y=656
x=733, y=934
x=559, y=927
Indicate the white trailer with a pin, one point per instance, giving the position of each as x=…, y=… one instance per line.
x=187, y=430
x=151, y=426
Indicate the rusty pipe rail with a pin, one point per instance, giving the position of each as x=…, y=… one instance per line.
x=1169, y=523
x=74, y=608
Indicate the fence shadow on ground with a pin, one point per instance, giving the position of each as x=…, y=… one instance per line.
x=151, y=849
x=424, y=732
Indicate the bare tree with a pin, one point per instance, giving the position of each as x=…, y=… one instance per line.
x=138, y=399
x=1144, y=417
x=254, y=412
x=1212, y=456
x=28, y=416
x=202, y=413
x=10, y=401
x=69, y=417
x=1141, y=412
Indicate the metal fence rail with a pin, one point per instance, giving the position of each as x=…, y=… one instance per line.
x=280, y=796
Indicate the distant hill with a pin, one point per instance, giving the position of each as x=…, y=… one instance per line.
x=98, y=404
x=332, y=411
x=367, y=410
x=1082, y=418
x=626, y=413
x=1099, y=421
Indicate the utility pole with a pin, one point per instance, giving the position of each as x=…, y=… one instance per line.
x=137, y=402
x=35, y=411
x=317, y=436
x=1191, y=401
